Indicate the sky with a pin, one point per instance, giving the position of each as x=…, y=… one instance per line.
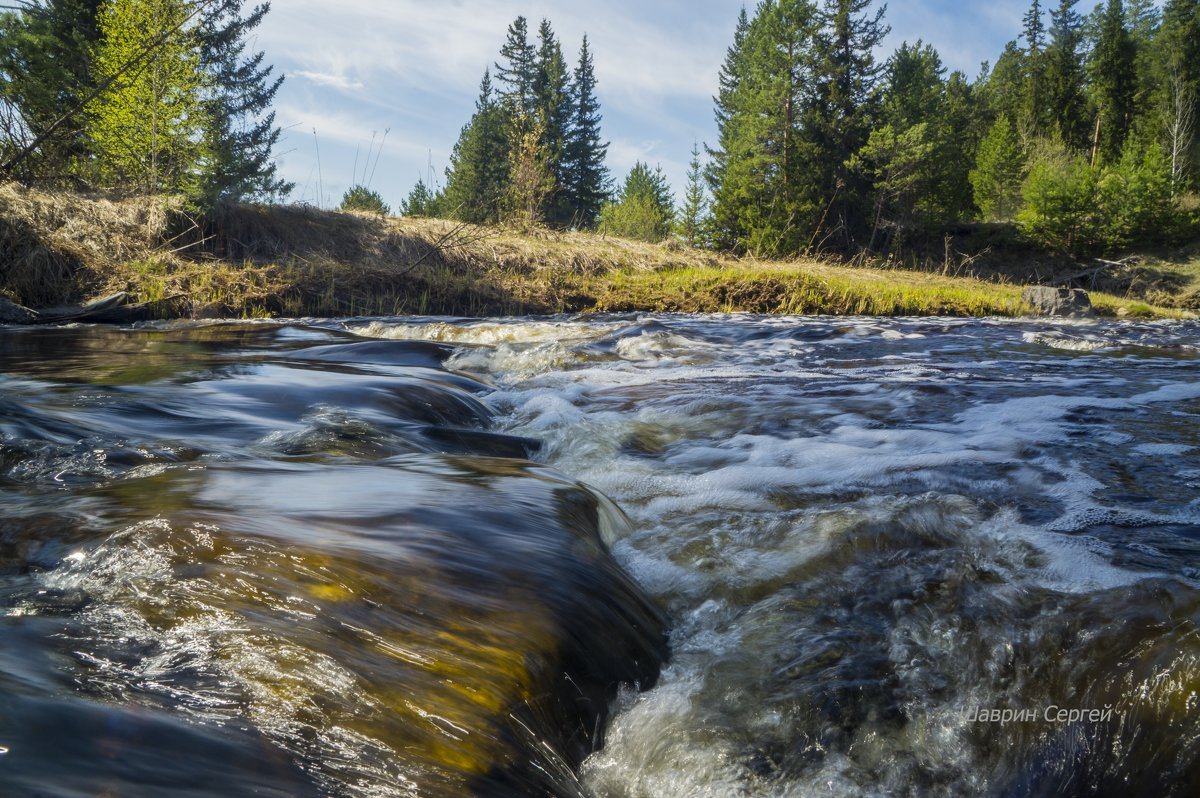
x=396, y=80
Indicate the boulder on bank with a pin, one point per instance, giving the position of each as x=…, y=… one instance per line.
x=114, y=309
x=1069, y=302
x=12, y=313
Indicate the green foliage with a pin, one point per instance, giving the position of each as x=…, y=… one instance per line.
x=766, y=200
x=496, y=171
x=1060, y=210
x=1073, y=207
x=530, y=173
x=900, y=166
x=643, y=209
x=363, y=200
x=147, y=127
x=45, y=73
x=999, y=173
x=477, y=178
x=517, y=73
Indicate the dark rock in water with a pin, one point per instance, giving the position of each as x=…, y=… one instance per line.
x=12, y=313
x=1070, y=302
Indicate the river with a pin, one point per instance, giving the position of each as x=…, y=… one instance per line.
x=618, y=556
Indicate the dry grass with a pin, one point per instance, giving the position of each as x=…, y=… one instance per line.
x=297, y=261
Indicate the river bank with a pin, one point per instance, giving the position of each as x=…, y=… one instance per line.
x=295, y=261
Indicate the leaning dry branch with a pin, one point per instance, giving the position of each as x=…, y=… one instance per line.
x=439, y=246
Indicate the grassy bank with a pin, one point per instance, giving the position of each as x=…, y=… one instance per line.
x=296, y=261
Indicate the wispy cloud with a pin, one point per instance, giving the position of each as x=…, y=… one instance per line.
x=325, y=79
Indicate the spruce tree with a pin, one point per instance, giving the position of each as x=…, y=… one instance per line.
x=1003, y=90
x=146, y=127
x=1178, y=42
x=691, y=215
x=842, y=115
x=768, y=202
x=1113, y=84
x=240, y=129
x=517, y=73
x=725, y=228
x=585, y=177
x=999, y=173
x=958, y=134
x=1064, y=77
x=643, y=208
x=552, y=91
x=477, y=177
x=1034, y=111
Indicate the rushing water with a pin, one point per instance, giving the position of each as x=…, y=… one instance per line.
x=376, y=558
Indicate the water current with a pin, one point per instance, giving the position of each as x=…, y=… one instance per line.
x=612, y=556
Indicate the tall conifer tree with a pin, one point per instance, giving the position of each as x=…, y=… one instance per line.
x=847, y=76
x=553, y=92
x=1064, y=77
x=585, y=177
x=724, y=222
x=517, y=72
x=241, y=131
x=1113, y=83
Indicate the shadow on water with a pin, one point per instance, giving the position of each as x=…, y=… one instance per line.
x=251, y=559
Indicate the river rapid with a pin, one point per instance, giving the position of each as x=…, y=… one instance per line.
x=618, y=556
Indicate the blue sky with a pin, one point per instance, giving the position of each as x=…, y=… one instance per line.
x=359, y=67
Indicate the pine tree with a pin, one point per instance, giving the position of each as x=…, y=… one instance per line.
x=691, y=216
x=1003, y=90
x=841, y=122
x=1064, y=77
x=585, y=177
x=477, y=178
x=147, y=125
x=999, y=173
x=914, y=86
x=240, y=128
x=361, y=199
x=767, y=201
x=1113, y=84
x=45, y=73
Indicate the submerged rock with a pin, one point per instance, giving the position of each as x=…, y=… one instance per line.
x=1070, y=302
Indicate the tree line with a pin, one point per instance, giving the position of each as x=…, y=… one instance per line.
x=150, y=96
x=1083, y=133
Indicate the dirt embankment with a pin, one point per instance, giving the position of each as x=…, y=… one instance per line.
x=248, y=260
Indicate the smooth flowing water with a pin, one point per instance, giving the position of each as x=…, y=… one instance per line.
x=385, y=557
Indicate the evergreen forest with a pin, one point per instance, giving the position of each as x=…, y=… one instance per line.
x=1081, y=136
